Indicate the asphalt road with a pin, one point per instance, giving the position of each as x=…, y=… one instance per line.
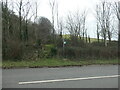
x=12, y=78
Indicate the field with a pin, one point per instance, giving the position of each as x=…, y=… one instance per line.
x=67, y=36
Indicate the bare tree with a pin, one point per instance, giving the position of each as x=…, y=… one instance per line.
x=26, y=11
x=84, y=25
x=108, y=21
x=57, y=10
x=75, y=24
x=88, y=38
x=61, y=26
x=72, y=28
x=23, y=9
x=99, y=23
x=19, y=9
x=97, y=16
x=35, y=12
x=119, y=22
x=26, y=16
x=79, y=23
x=104, y=32
x=117, y=10
x=86, y=35
x=71, y=25
x=52, y=4
x=119, y=29
x=103, y=15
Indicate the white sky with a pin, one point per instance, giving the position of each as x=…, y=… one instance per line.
x=70, y=5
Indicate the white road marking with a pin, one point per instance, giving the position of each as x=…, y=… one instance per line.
x=71, y=79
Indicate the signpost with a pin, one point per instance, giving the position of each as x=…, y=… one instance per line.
x=64, y=43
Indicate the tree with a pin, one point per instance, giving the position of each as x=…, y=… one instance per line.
x=75, y=24
x=119, y=22
x=10, y=32
x=57, y=10
x=86, y=36
x=61, y=26
x=83, y=26
x=20, y=5
x=44, y=30
x=98, y=22
x=35, y=12
x=26, y=16
x=103, y=15
x=52, y=4
x=26, y=11
x=117, y=10
x=108, y=21
x=103, y=28
x=5, y=14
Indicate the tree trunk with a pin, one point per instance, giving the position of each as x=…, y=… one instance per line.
x=118, y=30
x=119, y=39
x=109, y=36
x=97, y=34
x=20, y=20
x=26, y=31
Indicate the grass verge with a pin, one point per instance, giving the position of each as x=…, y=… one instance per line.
x=54, y=63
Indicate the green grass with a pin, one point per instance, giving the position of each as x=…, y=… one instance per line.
x=67, y=36
x=54, y=62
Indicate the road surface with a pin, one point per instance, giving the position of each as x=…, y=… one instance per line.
x=93, y=76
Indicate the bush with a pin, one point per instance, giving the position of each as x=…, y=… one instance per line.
x=89, y=52
x=49, y=50
x=69, y=52
x=14, y=50
x=97, y=44
x=53, y=51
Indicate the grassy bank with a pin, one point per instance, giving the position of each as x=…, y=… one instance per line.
x=54, y=63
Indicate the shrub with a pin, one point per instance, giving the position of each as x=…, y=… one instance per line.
x=97, y=44
x=89, y=52
x=14, y=50
x=49, y=50
x=69, y=52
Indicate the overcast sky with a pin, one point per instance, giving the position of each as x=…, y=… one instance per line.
x=66, y=6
